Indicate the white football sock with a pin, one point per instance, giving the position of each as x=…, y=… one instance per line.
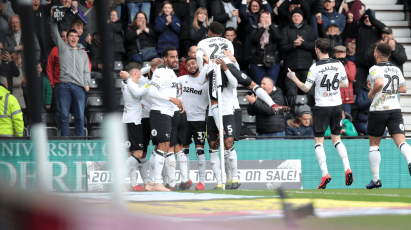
x=232, y=160
x=143, y=169
x=131, y=165
x=406, y=151
x=342, y=151
x=171, y=168
x=165, y=175
x=182, y=162
x=227, y=166
x=159, y=164
x=215, y=165
x=375, y=159
x=186, y=152
x=320, y=153
x=263, y=95
x=201, y=164
x=152, y=163
x=214, y=110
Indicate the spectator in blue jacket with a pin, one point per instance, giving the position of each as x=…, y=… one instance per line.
x=302, y=126
x=363, y=104
x=328, y=15
x=167, y=26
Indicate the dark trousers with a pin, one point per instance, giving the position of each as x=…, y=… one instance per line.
x=292, y=88
x=360, y=78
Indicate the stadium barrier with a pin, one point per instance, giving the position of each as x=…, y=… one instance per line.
x=68, y=161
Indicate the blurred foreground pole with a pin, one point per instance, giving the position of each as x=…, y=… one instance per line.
x=113, y=128
x=38, y=129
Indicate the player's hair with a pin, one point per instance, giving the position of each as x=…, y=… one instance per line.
x=162, y=6
x=323, y=44
x=199, y=11
x=270, y=79
x=76, y=22
x=71, y=31
x=166, y=49
x=189, y=59
x=230, y=29
x=216, y=28
x=132, y=65
x=384, y=50
x=156, y=62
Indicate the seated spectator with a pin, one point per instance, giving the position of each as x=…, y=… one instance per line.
x=286, y=8
x=354, y=7
x=182, y=69
x=167, y=25
x=121, y=8
x=302, y=126
x=297, y=44
x=141, y=37
x=47, y=93
x=84, y=39
x=363, y=104
x=348, y=128
x=333, y=33
x=231, y=35
x=70, y=17
x=5, y=12
x=14, y=43
x=224, y=12
x=351, y=46
x=328, y=15
x=90, y=13
x=135, y=6
x=116, y=36
x=12, y=123
x=347, y=94
x=268, y=123
x=265, y=59
x=398, y=54
x=199, y=28
x=41, y=28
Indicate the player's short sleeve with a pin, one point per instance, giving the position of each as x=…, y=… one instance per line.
x=401, y=79
x=343, y=74
x=374, y=73
x=157, y=79
x=181, y=80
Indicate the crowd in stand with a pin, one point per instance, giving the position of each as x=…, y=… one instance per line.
x=269, y=37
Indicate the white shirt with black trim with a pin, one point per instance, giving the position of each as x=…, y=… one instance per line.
x=132, y=94
x=327, y=74
x=386, y=99
x=195, y=97
x=213, y=47
x=146, y=99
x=165, y=80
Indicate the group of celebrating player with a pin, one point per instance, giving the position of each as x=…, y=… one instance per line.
x=171, y=110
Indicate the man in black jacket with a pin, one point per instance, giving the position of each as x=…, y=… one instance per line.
x=268, y=123
x=231, y=35
x=42, y=29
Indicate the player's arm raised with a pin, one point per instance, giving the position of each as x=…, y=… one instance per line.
x=231, y=79
x=199, y=57
x=304, y=87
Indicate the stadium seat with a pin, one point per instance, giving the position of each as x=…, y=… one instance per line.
x=118, y=83
x=242, y=100
x=94, y=103
x=93, y=84
x=96, y=132
x=50, y=119
x=118, y=65
x=72, y=120
x=26, y=132
x=247, y=118
x=145, y=64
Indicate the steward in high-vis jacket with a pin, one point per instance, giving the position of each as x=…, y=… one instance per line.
x=11, y=117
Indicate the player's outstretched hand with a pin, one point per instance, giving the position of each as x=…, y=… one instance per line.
x=124, y=75
x=222, y=63
x=206, y=58
x=230, y=56
x=290, y=74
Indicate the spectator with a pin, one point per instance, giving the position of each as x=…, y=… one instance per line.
x=90, y=12
x=302, y=126
x=265, y=60
x=347, y=126
x=225, y=13
x=70, y=17
x=167, y=25
x=316, y=6
x=19, y=83
x=47, y=91
x=297, y=44
x=135, y=6
x=199, y=28
x=143, y=34
x=231, y=35
x=6, y=12
x=182, y=69
x=286, y=8
x=333, y=34
x=116, y=36
x=84, y=40
x=363, y=104
x=14, y=43
x=355, y=7
x=121, y=8
x=347, y=94
x=8, y=68
x=367, y=31
x=96, y=59
x=328, y=15
x=11, y=117
x=268, y=123
x=74, y=79
x=351, y=46
x=398, y=55
x=42, y=29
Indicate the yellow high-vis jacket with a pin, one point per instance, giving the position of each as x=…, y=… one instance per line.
x=11, y=117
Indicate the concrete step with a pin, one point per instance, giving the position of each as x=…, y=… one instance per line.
x=396, y=23
x=401, y=32
x=406, y=109
x=407, y=120
x=385, y=7
x=403, y=40
x=378, y=2
x=407, y=66
x=407, y=74
x=390, y=16
x=407, y=48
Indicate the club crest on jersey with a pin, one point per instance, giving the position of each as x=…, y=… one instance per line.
x=153, y=132
x=373, y=72
x=325, y=94
x=309, y=73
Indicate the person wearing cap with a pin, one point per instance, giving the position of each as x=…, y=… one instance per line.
x=301, y=126
x=286, y=8
x=398, y=54
x=297, y=44
x=331, y=32
x=347, y=94
x=328, y=15
x=268, y=123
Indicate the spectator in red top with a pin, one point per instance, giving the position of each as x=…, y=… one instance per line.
x=347, y=94
x=182, y=69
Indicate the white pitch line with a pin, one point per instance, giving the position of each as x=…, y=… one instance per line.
x=354, y=194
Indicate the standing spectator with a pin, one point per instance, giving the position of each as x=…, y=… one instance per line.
x=47, y=92
x=121, y=8
x=225, y=13
x=86, y=6
x=143, y=34
x=96, y=59
x=316, y=6
x=351, y=46
x=74, y=79
x=302, y=126
x=84, y=39
x=8, y=68
x=367, y=31
x=356, y=8
x=398, y=55
x=5, y=12
x=347, y=94
x=199, y=28
x=333, y=33
x=14, y=43
x=42, y=28
x=116, y=36
x=347, y=126
x=182, y=69
x=19, y=83
x=231, y=35
x=70, y=17
x=297, y=44
x=329, y=15
x=135, y=6
x=167, y=25
x=286, y=8
x=265, y=59
x=11, y=117
x=363, y=104
x=268, y=123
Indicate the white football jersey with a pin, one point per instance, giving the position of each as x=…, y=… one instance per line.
x=327, y=74
x=146, y=99
x=235, y=99
x=214, y=48
x=195, y=97
x=132, y=94
x=386, y=99
x=166, y=81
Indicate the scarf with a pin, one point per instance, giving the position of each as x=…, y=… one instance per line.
x=298, y=26
x=266, y=36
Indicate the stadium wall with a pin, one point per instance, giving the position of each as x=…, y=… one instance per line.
x=68, y=161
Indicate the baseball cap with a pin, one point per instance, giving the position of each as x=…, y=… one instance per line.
x=387, y=30
x=340, y=48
